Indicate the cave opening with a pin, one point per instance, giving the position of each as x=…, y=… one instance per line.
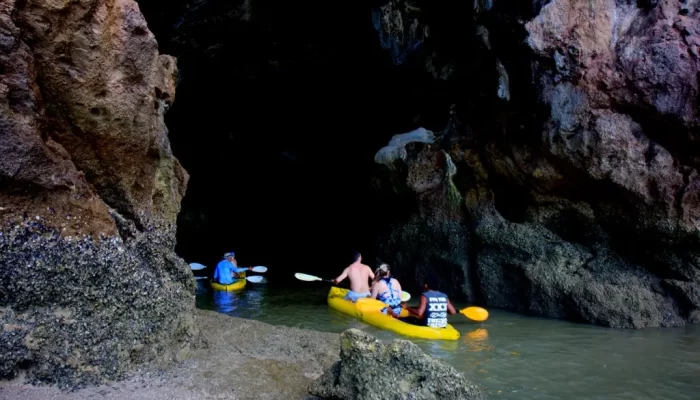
x=279, y=111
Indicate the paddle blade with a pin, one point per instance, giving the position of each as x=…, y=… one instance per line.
x=254, y=279
x=197, y=266
x=305, y=277
x=405, y=296
x=259, y=269
x=475, y=313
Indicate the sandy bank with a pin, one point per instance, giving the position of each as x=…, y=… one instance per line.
x=243, y=359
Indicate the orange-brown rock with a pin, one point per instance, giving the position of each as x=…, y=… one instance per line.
x=89, y=193
x=87, y=88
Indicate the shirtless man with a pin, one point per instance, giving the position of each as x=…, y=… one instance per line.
x=360, y=275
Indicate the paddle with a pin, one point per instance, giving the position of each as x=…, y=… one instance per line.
x=253, y=279
x=310, y=278
x=475, y=313
x=405, y=296
x=197, y=266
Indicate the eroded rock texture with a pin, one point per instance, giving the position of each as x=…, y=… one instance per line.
x=370, y=370
x=577, y=159
x=89, y=193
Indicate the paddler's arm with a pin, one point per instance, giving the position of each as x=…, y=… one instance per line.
x=341, y=277
x=235, y=270
x=420, y=311
x=450, y=308
x=375, y=291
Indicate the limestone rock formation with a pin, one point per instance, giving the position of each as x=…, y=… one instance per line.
x=396, y=149
x=399, y=28
x=369, y=370
x=581, y=185
x=89, y=193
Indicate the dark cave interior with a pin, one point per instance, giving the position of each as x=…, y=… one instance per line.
x=281, y=107
x=277, y=120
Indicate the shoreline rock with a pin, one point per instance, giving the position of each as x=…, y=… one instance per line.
x=370, y=370
x=251, y=360
x=239, y=358
x=82, y=310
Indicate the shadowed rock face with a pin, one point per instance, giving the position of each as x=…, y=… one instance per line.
x=89, y=193
x=581, y=187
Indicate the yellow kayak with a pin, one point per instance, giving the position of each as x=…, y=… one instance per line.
x=231, y=287
x=368, y=311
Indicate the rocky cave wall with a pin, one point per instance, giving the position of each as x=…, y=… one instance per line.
x=562, y=181
x=89, y=193
x=574, y=133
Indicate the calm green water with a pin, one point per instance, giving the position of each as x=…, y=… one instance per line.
x=511, y=356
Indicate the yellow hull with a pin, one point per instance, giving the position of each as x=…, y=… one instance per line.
x=368, y=311
x=236, y=285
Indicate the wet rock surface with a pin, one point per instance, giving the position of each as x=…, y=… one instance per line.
x=89, y=192
x=579, y=188
x=369, y=369
x=241, y=359
x=77, y=310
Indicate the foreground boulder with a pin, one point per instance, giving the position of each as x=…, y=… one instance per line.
x=370, y=370
x=89, y=192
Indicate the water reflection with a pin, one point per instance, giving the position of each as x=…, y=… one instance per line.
x=226, y=302
x=242, y=303
x=442, y=349
x=477, y=340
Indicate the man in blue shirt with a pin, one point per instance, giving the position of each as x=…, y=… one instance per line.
x=227, y=270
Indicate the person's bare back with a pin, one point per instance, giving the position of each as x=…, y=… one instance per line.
x=359, y=275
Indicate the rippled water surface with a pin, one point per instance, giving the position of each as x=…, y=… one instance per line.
x=511, y=356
